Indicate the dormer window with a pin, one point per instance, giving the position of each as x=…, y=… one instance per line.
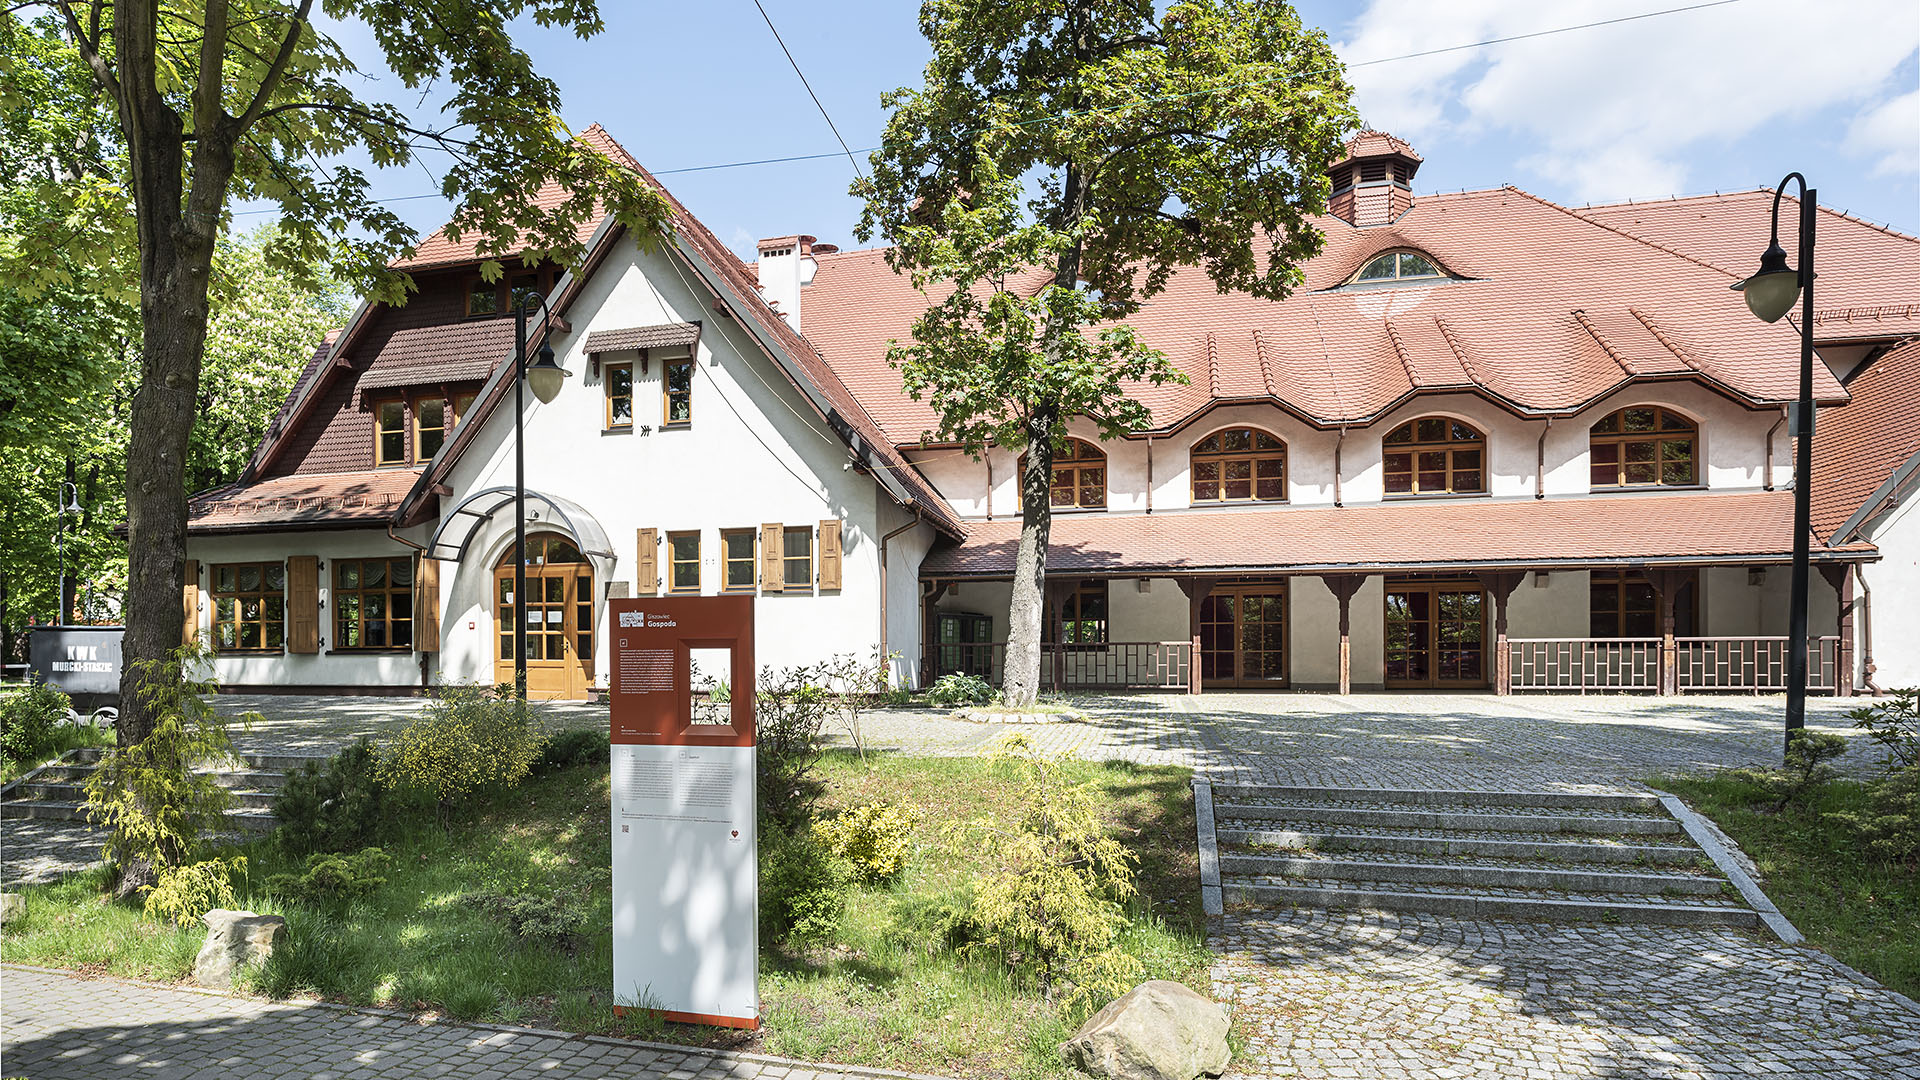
x=1398, y=266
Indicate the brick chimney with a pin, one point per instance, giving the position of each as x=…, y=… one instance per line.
x=1373, y=182
x=786, y=266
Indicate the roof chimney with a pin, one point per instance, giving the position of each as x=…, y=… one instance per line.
x=786, y=266
x=1373, y=182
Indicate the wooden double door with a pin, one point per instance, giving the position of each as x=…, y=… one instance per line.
x=1436, y=634
x=559, y=619
x=1243, y=636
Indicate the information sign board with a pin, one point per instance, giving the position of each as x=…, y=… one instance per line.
x=77, y=659
x=685, y=870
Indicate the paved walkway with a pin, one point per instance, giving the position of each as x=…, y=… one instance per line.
x=63, y=1026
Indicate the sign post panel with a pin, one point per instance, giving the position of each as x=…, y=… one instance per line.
x=686, y=888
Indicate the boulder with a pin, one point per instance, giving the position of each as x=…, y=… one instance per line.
x=12, y=906
x=235, y=938
x=1159, y=1030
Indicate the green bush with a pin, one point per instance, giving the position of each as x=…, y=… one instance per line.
x=571, y=749
x=185, y=893
x=921, y=923
x=803, y=888
x=330, y=880
x=1891, y=822
x=333, y=808
x=30, y=720
x=790, y=714
x=873, y=839
x=1894, y=724
x=955, y=688
x=547, y=918
x=469, y=740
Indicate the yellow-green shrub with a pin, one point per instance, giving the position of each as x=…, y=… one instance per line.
x=187, y=892
x=469, y=738
x=874, y=839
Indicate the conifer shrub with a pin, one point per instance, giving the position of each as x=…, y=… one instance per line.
x=546, y=918
x=333, y=806
x=185, y=893
x=803, y=888
x=468, y=740
x=30, y=721
x=1895, y=724
x=331, y=879
x=873, y=839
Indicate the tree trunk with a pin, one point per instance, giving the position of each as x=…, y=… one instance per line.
x=1027, y=606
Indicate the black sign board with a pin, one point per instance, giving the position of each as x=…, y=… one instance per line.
x=77, y=659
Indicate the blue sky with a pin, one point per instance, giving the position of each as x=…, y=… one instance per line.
x=1681, y=103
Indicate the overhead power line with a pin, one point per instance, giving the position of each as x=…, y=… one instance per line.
x=803, y=82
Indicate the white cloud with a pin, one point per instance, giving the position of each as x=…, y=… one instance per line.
x=1620, y=110
x=1890, y=133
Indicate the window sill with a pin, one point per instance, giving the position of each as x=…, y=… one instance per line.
x=1617, y=489
x=618, y=429
x=1079, y=509
x=740, y=590
x=1421, y=496
x=373, y=650
x=680, y=426
x=1208, y=504
x=249, y=652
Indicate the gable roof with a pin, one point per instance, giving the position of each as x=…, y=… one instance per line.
x=1862, y=452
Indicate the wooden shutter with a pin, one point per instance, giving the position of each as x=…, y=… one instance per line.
x=830, y=554
x=646, y=570
x=303, y=604
x=190, y=603
x=426, y=606
x=773, y=567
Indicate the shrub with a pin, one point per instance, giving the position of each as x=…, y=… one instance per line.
x=185, y=893
x=1098, y=978
x=570, y=749
x=1806, y=765
x=1891, y=823
x=30, y=721
x=790, y=716
x=873, y=839
x=1894, y=724
x=955, y=688
x=803, y=889
x=468, y=740
x=918, y=922
x=330, y=880
x=334, y=808
x=547, y=918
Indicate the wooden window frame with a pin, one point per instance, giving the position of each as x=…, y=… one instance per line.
x=606, y=378
x=448, y=421
x=675, y=562
x=405, y=432
x=1083, y=457
x=544, y=277
x=1439, y=272
x=787, y=560
x=1659, y=435
x=1073, y=609
x=1448, y=447
x=667, y=393
x=727, y=560
x=1221, y=458
x=1686, y=620
x=474, y=284
x=238, y=598
x=388, y=590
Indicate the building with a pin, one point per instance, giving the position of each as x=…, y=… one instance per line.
x=1490, y=443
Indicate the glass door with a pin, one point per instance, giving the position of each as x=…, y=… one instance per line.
x=559, y=619
x=1436, y=634
x=1243, y=637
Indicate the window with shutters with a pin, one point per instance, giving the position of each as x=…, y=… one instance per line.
x=619, y=395
x=1435, y=455
x=737, y=549
x=249, y=607
x=1240, y=464
x=390, y=432
x=1644, y=446
x=373, y=603
x=796, y=557
x=683, y=562
x=676, y=380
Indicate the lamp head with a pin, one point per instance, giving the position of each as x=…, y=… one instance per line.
x=546, y=377
x=1772, y=290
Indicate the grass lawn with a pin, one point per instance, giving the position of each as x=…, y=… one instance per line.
x=66, y=737
x=1863, y=910
x=861, y=997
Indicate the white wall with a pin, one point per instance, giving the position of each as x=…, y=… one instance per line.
x=1895, y=581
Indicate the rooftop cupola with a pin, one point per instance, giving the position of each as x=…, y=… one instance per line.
x=1373, y=182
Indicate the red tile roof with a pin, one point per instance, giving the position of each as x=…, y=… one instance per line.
x=642, y=337
x=1857, y=448
x=1662, y=527
x=302, y=501
x=1372, y=143
x=1553, y=311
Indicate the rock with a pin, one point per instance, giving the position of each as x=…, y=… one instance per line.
x=1159, y=1030
x=12, y=906
x=235, y=938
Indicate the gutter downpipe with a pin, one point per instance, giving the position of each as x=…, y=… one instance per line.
x=1767, y=484
x=1337, y=443
x=885, y=581
x=1866, y=630
x=1540, y=461
x=1149, y=472
x=989, y=456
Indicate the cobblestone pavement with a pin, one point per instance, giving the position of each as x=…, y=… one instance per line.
x=36, y=850
x=1392, y=996
x=62, y=1026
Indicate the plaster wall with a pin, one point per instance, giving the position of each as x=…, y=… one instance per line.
x=1895, y=581
x=1551, y=605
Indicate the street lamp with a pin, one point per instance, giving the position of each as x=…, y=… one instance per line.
x=1770, y=293
x=66, y=501
x=546, y=378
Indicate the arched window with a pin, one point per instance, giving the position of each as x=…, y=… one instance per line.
x=1240, y=464
x=1645, y=446
x=1398, y=266
x=1435, y=455
x=1079, y=476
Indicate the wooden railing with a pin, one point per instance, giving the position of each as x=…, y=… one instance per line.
x=1754, y=664
x=1113, y=665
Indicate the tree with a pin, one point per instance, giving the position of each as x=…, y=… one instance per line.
x=1061, y=160
x=221, y=99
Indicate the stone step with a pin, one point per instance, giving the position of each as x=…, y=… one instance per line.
x=1481, y=904
x=279, y=763
x=1413, y=843
x=1490, y=819
x=1470, y=876
x=77, y=793
x=256, y=819
x=248, y=779
x=1559, y=800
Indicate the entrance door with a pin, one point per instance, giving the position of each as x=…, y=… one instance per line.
x=1243, y=636
x=559, y=615
x=1436, y=634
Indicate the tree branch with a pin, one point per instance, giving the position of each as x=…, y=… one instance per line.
x=89, y=45
x=271, y=81
x=208, y=113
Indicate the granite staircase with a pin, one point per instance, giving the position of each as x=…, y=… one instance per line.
x=59, y=790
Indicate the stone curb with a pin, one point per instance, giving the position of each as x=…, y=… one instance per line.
x=506, y=1029
x=1697, y=830
x=1211, y=902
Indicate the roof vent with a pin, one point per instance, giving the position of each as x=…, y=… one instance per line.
x=1373, y=181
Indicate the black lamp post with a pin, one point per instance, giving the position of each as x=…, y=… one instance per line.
x=1770, y=293
x=546, y=377
x=64, y=503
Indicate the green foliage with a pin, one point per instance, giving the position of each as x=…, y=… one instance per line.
x=185, y=893
x=1059, y=884
x=546, y=918
x=932, y=923
x=156, y=809
x=1097, y=978
x=803, y=888
x=1806, y=767
x=790, y=714
x=332, y=808
x=1894, y=723
x=30, y=720
x=1890, y=822
x=333, y=879
x=958, y=688
x=468, y=740
x=573, y=748
x=873, y=839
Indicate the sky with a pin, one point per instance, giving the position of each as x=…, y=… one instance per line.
x=1728, y=97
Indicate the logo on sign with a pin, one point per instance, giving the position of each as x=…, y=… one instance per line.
x=633, y=618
